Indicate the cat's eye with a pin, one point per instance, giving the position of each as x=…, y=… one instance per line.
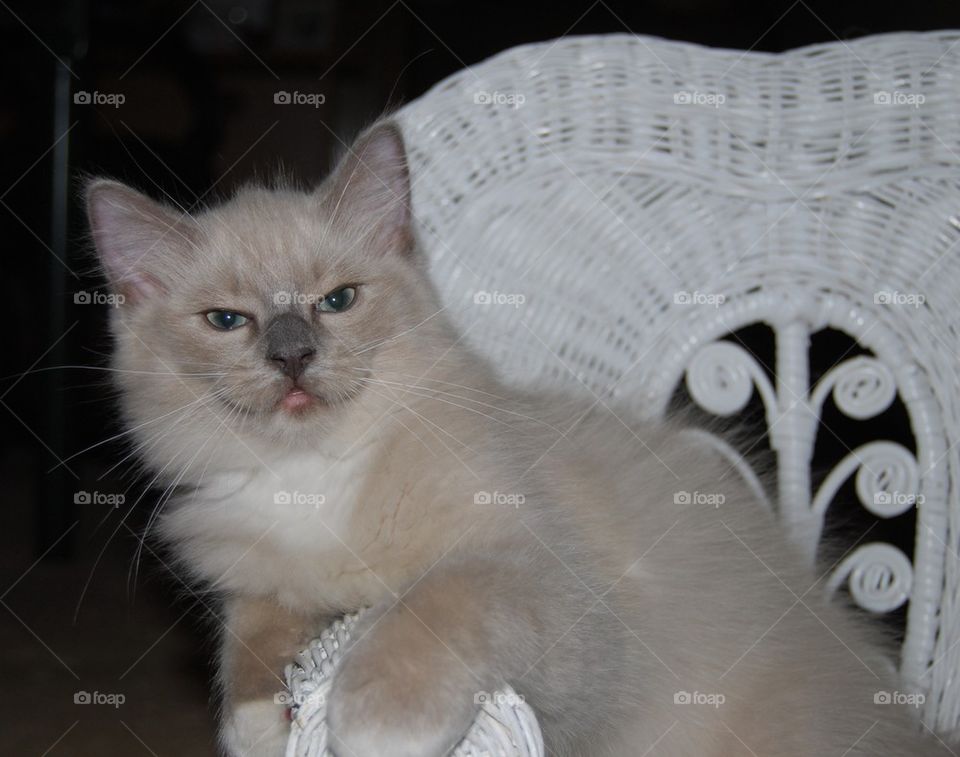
x=338, y=300
x=226, y=320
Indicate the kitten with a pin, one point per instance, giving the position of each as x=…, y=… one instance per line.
x=286, y=366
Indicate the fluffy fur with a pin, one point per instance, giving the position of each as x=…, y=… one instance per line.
x=594, y=593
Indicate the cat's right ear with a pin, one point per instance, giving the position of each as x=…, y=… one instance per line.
x=369, y=191
x=134, y=237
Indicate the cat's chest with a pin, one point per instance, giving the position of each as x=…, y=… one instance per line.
x=303, y=497
x=294, y=529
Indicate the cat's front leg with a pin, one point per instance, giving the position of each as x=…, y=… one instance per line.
x=400, y=691
x=259, y=638
x=410, y=683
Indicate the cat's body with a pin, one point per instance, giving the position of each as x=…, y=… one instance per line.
x=368, y=459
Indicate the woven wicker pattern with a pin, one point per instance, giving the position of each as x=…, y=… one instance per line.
x=600, y=211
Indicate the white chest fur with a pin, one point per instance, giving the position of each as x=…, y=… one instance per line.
x=283, y=530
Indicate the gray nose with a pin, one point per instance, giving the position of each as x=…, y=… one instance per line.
x=290, y=344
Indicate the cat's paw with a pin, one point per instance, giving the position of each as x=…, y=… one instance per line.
x=389, y=705
x=258, y=728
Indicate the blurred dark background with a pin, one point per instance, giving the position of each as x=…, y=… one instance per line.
x=177, y=98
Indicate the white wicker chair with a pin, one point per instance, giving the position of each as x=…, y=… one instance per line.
x=601, y=211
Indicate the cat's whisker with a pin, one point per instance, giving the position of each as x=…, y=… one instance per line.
x=391, y=372
x=144, y=446
x=394, y=417
x=108, y=369
x=109, y=539
x=127, y=432
x=426, y=421
x=103, y=385
x=123, y=519
x=210, y=457
x=147, y=444
x=413, y=387
x=161, y=502
x=428, y=396
x=380, y=342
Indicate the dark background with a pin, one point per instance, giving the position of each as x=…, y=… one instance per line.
x=198, y=118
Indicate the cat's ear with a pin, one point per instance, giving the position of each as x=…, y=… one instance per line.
x=135, y=237
x=369, y=191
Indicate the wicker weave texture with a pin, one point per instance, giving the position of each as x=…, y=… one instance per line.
x=600, y=211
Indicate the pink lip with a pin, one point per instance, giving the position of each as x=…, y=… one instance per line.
x=295, y=400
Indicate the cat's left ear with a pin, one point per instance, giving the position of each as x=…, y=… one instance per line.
x=369, y=191
x=141, y=243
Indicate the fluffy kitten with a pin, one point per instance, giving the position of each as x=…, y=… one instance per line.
x=287, y=367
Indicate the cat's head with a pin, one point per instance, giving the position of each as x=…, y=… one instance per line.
x=267, y=318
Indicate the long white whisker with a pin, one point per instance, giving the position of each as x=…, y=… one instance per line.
x=428, y=422
x=427, y=396
x=152, y=441
x=128, y=431
x=413, y=388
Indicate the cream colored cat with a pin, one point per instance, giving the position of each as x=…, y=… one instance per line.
x=285, y=364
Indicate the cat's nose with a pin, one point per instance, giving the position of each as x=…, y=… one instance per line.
x=293, y=364
x=290, y=344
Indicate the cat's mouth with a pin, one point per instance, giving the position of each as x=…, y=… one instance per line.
x=297, y=400
x=291, y=399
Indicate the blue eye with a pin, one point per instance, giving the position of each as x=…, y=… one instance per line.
x=226, y=320
x=338, y=300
